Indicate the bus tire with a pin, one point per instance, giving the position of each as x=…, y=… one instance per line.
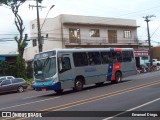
x=118, y=77
x=59, y=91
x=78, y=86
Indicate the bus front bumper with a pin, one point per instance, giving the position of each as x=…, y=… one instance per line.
x=56, y=86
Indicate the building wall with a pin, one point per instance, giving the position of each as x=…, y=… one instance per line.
x=52, y=27
x=57, y=30
x=156, y=52
x=103, y=39
x=97, y=20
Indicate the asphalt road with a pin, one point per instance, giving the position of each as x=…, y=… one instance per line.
x=136, y=96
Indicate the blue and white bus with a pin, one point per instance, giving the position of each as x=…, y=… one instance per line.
x=61, y=69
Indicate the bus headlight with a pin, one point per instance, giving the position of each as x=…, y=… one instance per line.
x=55, y=80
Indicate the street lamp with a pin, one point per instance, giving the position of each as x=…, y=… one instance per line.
x=39, y=29
x=46, y=16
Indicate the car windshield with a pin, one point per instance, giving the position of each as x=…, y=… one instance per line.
x=45, y=68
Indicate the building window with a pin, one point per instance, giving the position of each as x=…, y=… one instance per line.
x=94, y=33
x=34, y=42
x=33, y=26
x=127, y=34
x=112, y=36
x=74, y=35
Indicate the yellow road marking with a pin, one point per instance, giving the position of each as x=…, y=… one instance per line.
x=96, y=98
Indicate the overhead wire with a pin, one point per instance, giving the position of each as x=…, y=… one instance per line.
x=121, y=15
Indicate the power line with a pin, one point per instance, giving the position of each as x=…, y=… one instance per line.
x=155, y=30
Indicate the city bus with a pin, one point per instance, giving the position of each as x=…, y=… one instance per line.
x=61, y=69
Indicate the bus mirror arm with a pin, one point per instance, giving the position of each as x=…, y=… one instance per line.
x=60, y=64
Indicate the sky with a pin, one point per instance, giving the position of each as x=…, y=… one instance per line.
x=126, y=9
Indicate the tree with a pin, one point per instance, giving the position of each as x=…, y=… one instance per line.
x=14, y=6
x=21, y=41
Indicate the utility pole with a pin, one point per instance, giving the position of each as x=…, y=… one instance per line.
x=149, y=38
x=40, y=44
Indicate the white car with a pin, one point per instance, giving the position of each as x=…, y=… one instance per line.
x=156, y=62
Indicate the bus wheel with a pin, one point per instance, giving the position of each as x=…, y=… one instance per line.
x=118, y=77
x=59, y=91
x=78, y=85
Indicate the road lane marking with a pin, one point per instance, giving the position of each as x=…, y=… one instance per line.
x=28, y=103
x=32, y=97
x=88, y=100
x=68, y=105
x=145, y=104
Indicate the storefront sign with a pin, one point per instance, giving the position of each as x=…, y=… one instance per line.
x=141, y=53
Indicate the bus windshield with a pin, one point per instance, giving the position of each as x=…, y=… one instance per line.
x=44, y=68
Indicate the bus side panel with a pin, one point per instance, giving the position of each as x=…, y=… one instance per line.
x=97, y=76
x=109, y=73
x=92, y=74
x=88, y=72
x=128, y=68
x=66, y=79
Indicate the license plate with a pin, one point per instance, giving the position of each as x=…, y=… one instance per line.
x=43, y=89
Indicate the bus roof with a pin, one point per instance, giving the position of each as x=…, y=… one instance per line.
x=87, y=49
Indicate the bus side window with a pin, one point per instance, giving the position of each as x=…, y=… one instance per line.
x=119, y=56
x=114, y=59
x=80, y=59
x=127, y=56
x=64, y=64
x=94, y=58
x=106, y=57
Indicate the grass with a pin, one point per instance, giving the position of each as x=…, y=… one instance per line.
x=29, y=81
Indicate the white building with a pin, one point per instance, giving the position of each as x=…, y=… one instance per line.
x=66, y=31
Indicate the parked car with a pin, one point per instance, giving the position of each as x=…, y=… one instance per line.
x=17, y=84
x=156, y=62
x=33, y=84
x=6, y=77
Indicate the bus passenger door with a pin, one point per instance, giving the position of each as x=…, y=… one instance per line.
x=65, y=71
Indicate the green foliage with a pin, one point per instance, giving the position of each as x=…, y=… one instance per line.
x=21, y=41
x=21, y=67
x=4, y=66
x=29, y=81
x=7, y=68
x=23, y=44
